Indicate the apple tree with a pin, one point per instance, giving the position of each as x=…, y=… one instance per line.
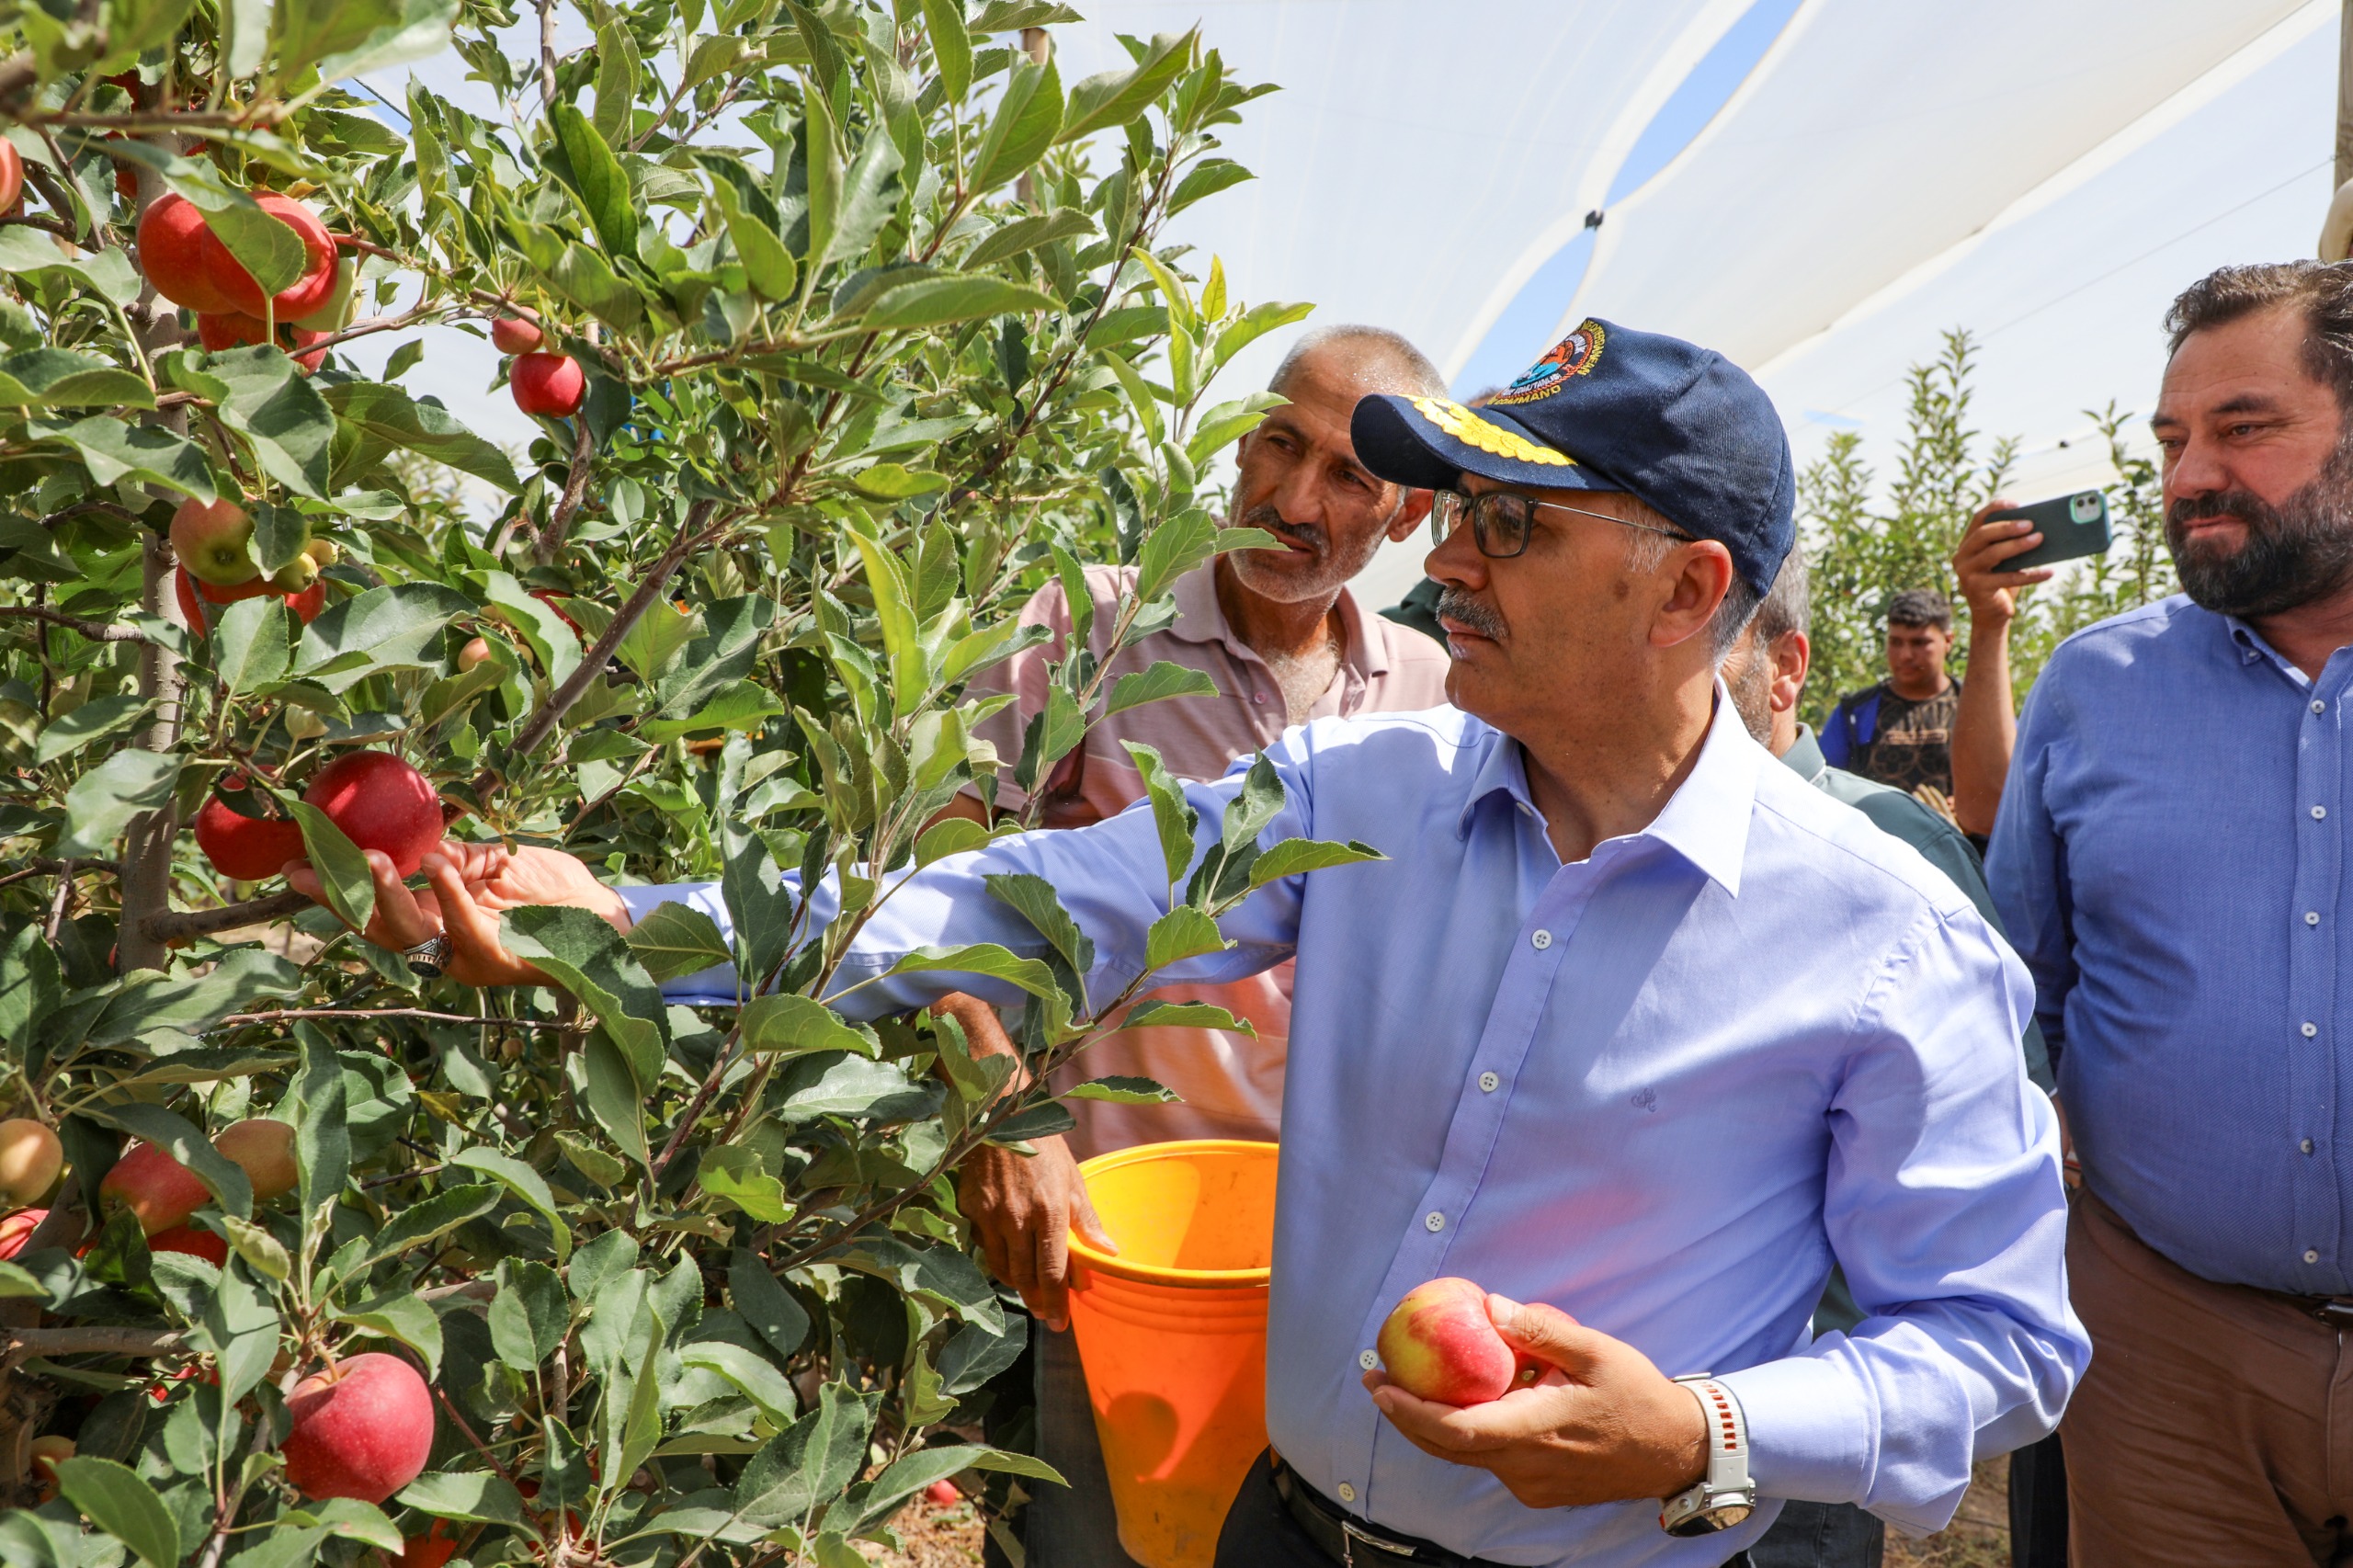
x=844, y=327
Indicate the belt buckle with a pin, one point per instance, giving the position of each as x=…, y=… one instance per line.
x=2339, y=1314
x=1350, y=1531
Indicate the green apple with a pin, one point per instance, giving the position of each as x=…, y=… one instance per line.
x=211, y=543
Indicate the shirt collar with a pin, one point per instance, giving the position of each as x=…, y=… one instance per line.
x=1200, y=618
x=2251, y=647
x=1705, y=821
x=1804, y=756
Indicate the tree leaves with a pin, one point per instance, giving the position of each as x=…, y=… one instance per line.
x=1111, y=98
x=123, y=1505
x=676, y=939
x=1028, y=118
x=596, y=179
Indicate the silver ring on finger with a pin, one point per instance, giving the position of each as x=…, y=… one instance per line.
x=429, y=957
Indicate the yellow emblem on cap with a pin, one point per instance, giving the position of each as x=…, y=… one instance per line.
x=1465, y=425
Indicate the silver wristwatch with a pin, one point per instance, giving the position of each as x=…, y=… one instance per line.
x=1725, y=1496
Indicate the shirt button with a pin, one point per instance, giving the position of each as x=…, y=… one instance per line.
x=2312, y=916
x=1257, y=697
x=2306, y=1145
x=1347, y=1493
x=1489, y=1082
x=2318, y=705
x=2311, y=1030
x=2310, y=1257
x=2319, y=812
x=1367, y=1360
x=1434, y=1221
x=1541, y=939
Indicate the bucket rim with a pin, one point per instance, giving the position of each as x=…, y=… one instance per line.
x=1160, y=1274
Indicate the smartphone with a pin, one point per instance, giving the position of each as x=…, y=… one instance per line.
x=2072, y=526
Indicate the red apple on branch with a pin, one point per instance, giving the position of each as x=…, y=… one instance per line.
x=362, y=1428
x=379, y=803
x=264, y=1150
x=30, y=1159
x=12, y=173
x=187, y=1239
x=17, y=1229
x=159, y=1191
x=516, y=334
x=247, y=848
x=1440, y=1344
x=176, y=252
x=548, y=384
x=210, y=541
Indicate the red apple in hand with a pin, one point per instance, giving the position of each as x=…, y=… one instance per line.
x=548, y=383
x=1440, y=1344
x=381, y=803
x=362, y=1428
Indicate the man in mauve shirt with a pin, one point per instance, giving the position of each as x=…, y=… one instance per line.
x=1285, y=642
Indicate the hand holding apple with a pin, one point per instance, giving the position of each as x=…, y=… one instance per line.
x=1438, y=1345
x=471, y=883
x=1602, y=1425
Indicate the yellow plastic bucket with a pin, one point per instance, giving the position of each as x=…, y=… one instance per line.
x=1173, y=1334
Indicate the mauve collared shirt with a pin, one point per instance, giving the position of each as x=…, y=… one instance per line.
x=1229, y=1085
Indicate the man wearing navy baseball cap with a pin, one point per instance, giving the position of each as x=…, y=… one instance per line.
x=1632, y=1028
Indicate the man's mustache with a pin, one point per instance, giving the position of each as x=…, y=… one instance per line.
x=1457, y=606
x=2246, y=506
x=1305, y=535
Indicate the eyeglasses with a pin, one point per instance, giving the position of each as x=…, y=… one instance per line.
x=1499, y=521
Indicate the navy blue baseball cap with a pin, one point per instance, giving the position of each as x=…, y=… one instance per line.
x=1680, y=428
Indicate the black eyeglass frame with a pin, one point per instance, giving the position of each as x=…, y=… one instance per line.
x=1495, y=510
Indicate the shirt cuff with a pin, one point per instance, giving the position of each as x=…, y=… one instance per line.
x=714, y=987
x=1810, y=1425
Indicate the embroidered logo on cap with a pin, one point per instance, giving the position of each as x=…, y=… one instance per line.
x=1573, y=356
x=1465, y=425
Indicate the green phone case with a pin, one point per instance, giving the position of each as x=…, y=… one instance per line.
x=2072, y=528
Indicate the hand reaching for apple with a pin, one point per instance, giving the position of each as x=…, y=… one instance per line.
x=1022, y=1207
x=1602, y=1425
x=471, y=885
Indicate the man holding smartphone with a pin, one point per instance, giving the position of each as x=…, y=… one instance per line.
x=2169, y=861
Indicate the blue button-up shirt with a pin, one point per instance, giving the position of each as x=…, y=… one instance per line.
x=1659, y=1088
x=2170, y=861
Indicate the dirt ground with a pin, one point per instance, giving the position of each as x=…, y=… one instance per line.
x=1979, y=1536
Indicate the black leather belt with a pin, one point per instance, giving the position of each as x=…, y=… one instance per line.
x=2333, y=1311
x=1346, y=1538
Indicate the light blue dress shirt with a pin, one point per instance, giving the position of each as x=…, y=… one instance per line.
x=2170, y=861
x=1660, y=1089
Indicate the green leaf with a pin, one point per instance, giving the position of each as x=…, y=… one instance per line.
x=597, y=180
x=1113, y=98
x=1293, y=856
x=29, y=253
x=941, y=301
x=891, y=481
x=677, y=939
x=587, y=958
x=1172, y=815
x=912, y=1474
x=530, y=1315
x=1122, y=1091
x=617, y=79
x=894, y=608
x=344, y=872
x=281, y=533
x=870, y=195
x=54, y=377
x=403, y=1317
x=808, y=1463
x=767, y=265
x=949, y=835
x=614, y=1099
x=114, y=451
x=1205, y=179
x=794, y=1026
x=103, y=801
x=951, y=46
x=822, y=147
x=253, y=644
x=281, y=415
x=397, y=627
x=418, y=29
x=1034, y=898
x=767, y=1306
x=1164, y=679
x=94, y=720
x=476, y=1496
x=1183, y=932
x=735, y=1176
x=388, y=415
x=1028, y=117
x=264, y=1253
x=126, y=1508
x=760, y=1382
x=985, y=958
x=1186, y=1015
x=16, y=1284
x=309, y=31
x=1027, y=234
x=524, y=1183
x=429, y=1221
